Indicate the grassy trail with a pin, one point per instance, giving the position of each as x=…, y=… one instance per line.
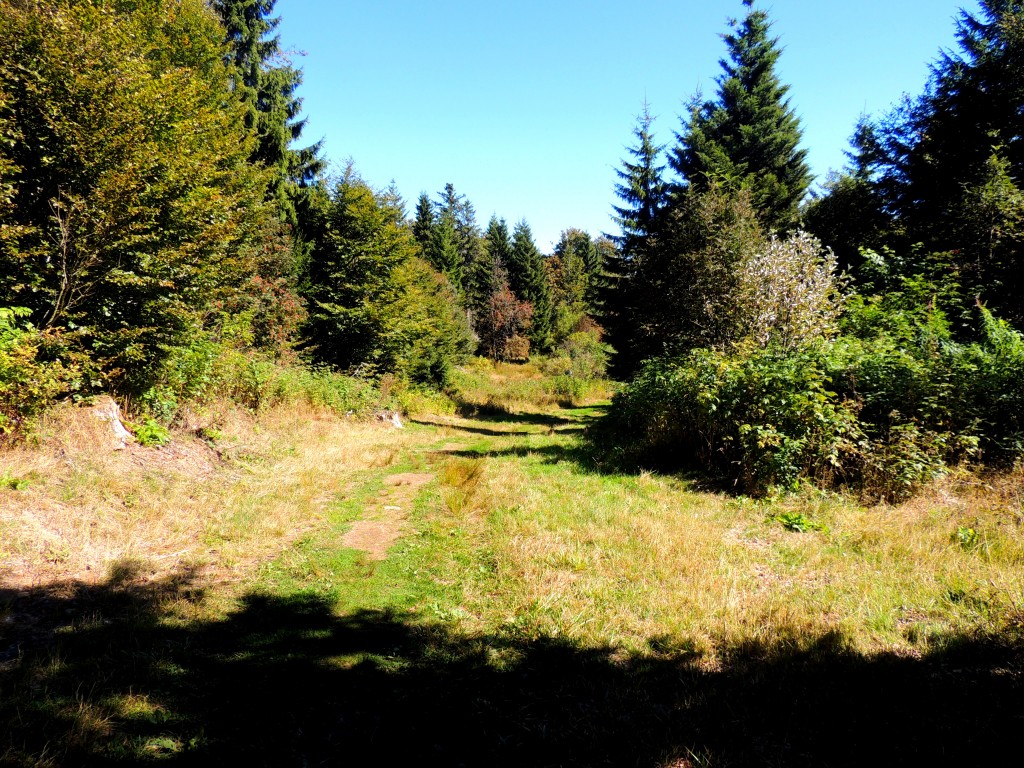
x=486, y=592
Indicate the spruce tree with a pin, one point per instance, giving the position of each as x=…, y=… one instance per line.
x=528, y=280
x=948, y=164
x=641, y=189
x=444, y=253
x=498, y=242
x=423, y=224
x=749, y=136
x=267, y=87
x=644, y=194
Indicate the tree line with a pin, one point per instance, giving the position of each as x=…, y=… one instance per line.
x=860, y=334
x=157, y=204
x=164, y=231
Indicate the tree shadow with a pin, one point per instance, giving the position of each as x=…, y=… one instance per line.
x=112, y=674
x=496, y=413
x=552, y=422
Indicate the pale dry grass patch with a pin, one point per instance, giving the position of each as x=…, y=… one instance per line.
x=624, y=560
x=263, y=484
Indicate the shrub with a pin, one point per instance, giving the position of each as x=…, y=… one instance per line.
x=152, y=434
x=28, y=384
x=763, y=418
x=886, y=412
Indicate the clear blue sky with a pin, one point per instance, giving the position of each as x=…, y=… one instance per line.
x=527, y=106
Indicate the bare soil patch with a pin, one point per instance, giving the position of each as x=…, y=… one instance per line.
x=377, y=533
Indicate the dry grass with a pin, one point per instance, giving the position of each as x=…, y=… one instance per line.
x=224, y=508
x=639, y=562
x=631, y=560
x=629, y=614
x=485, y=385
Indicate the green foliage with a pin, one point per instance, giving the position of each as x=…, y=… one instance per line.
x=641, y=189
x=13, y=483
x=762, y=419
x=946, y=165
x=798, y=522
x=266, y=84
x=965, y=537
x=152, y=434
x=574, y=274
x=683, y=293
x=747, y=139
x=373, y=304
x=426, y=333
x=528, y=280
x=131, y=192
x=29, y=382
x=887, y=408
x=581, y=356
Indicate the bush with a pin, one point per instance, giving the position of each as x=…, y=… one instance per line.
x=28, y=384
x=886, y=414
x=761, y=419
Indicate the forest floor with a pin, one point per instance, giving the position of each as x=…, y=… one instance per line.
x=307, y=590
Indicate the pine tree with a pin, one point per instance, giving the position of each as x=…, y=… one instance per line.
x=641, y=189
x=528, y=280
x=423, y=224
x=947, y=164
x=748, y=137
x=267, y=86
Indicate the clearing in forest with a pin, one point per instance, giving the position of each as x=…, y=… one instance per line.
x=307, y=590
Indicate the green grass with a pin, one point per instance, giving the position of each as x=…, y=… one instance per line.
x=538, y=609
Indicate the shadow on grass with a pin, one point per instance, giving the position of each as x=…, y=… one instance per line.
x=541, y=423
x=106, y=675
x=495, y=413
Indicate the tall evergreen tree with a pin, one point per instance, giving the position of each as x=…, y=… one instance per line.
x=372, y=300
x=498, y=242
x=267, y=86
x=749, y=136
x=948, y=164
x=641, y=189
x=528, y=280
x=423, y=224
x=444, y=253
x=644, y=194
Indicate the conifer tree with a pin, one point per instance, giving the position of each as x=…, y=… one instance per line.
x=948, y=164
x=641, y=189
x=444, y=252
x=748, y=137
x=528, y=280
x=498, y=242
x=372, y=300
x=570, y=280
x=267, y=85
x=644, y=195
x=423, y=224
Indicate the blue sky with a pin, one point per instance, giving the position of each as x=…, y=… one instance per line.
x=527, y=107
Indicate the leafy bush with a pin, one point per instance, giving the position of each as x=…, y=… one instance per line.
x=787, y=291
x=28, y=384
x=763, y=418
x=885, y=411
x=152, y=434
